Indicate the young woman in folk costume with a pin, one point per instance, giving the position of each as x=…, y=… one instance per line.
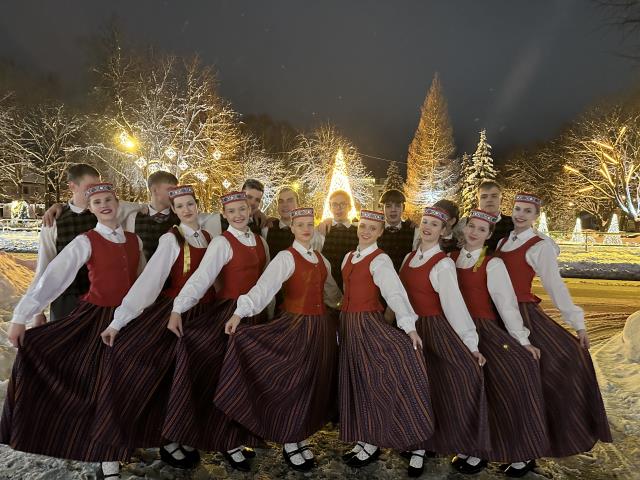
x=235, y=259
x=52, y=396
x=278, y=378
x=576, y=417
x=454, y=362
x=517, y=420
x=384, y=391
x=135, y=391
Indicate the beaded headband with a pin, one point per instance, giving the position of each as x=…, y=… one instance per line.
x=372, y=215
x=529, y=198
x=482, y=215
x=180, y=191
x=99, y=188
x=301, y=212
x=233, y=197
x=436, y=213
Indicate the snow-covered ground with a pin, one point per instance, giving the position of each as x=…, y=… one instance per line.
x=19, y=240
x=607, y=304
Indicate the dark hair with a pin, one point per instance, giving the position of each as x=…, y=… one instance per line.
x=340, y=192
x=161, y=177
x=450, y=207
x=392, y=195
x=253, y=184
x=487, y=184
x=289, y=189
x=79, y=170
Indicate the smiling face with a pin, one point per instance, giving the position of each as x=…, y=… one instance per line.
x=104, y=206
x=340, y=205
x=489, y=200
x=302, y=229
x=431, y=228
x=286, y=203
x=237, y=214
x=393, y=212
x=254, y=198
x=369, y=231
x=524, y=214
x=186, y=208
x=475, y=233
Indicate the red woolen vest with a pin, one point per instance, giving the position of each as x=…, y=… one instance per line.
x=244, y=269
x=303, y=291
x=113, y=268
x=520, y=272
x=475, y=291
x=177, y=277
x=361, y=294
x=424, y=299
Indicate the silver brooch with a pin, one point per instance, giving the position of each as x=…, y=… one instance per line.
x=468, y=255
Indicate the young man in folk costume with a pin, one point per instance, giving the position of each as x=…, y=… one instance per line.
x=51, y=399
x=337, y=235
x=399, y=235
x=234, y=261
x=576, y=417
x=74, y=218
x=278, y=379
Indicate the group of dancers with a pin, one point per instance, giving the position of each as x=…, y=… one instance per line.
x=187, y=331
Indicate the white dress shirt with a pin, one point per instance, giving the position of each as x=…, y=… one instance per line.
x=152, y=280
x=391, y=288
x=444, y=280
x=61, y=272
x=279, y=271
x=219, y=253
x=542, y=257
x=501, y=292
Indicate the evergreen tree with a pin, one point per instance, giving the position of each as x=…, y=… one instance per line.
x=467, y=187
x=430, y=165
x=479, y=169
x=394, y=179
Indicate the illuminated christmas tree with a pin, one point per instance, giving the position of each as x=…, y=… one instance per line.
x=613, y=234
x=339, y=181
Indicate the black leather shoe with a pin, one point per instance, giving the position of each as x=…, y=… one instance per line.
x=357, y=463
x=427, y=454
x=192, y=455
x=248, y=453
x=457, y=461
x=415, y=472
x=167, y=457
x=303, y=467
x=101, y=476
x=469, y=469
x=242, y=466
x=347, y=455
x=520, y=472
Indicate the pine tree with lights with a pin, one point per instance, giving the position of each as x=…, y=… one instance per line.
x=430, y=166
x=542, y=224
x=479, y=169
x=468, y=189
x=394, y=180
x=613, y=233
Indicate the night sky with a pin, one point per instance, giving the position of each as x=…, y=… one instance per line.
x=521, y=69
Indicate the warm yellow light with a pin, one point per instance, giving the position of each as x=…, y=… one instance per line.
x=586, y=189
x=295, y=185
x=570, y=169
x=127, y=141
x=339, y=181
x=602, y=144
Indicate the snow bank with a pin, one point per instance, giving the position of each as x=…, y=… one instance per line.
x=631, y=339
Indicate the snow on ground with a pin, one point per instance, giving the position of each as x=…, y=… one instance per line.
x=620, y=263
x=19, y=240
x=620, y=381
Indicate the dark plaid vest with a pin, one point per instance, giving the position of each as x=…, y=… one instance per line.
x=68, y=226
x=253, y=226
x=339, y=242
x=278, y=239
x=503, y=228
x=150, y=231
x=397, y=244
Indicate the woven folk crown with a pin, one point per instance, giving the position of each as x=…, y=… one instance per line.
x=301, y=212
x=94, y=188
x=436, y=213
x=482, y=215
x=233, y=197
x=371, y=215
x=181, y=191
x=529, y=198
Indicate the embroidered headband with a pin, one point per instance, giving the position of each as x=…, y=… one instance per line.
x=436, y=213
x=301, y=212
x=482, y=215
x=529, y=198
x=181, y=191
x=372, y=215
x=233, y=197
x=94, y=188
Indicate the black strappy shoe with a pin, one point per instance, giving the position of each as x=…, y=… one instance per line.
x=372, y=457
x=242, y=466
x=311, y=461
x=412, y=471
x=192, y=455
x=512, y=472
x=101, y=476
x=347, y=455
x=167, y=457
x=303, y=467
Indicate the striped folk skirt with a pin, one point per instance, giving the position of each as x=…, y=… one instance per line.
x=576, y=418
x=192, y=418
x=457, y=391
x=384, y=391
x=278, y=378
x=138, y=374
x=517, y=418
x=53, y=392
